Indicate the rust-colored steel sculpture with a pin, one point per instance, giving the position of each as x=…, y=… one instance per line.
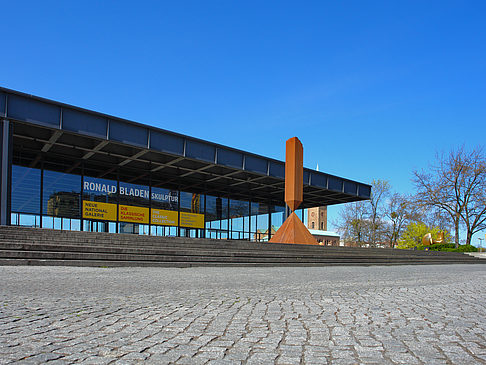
x=293, y=230
x=294, y=173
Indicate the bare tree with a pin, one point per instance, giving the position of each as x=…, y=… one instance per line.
x=379, y=192
x=363, y=222
x=352, y=223
x=456, y=184
x=398, y=215
x=435, y=217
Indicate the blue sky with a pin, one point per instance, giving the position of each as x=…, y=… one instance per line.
x=373, y=89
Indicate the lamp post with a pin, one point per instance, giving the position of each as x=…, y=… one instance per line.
x=480, y=239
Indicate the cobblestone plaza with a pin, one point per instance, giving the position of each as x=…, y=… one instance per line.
x=317, y=315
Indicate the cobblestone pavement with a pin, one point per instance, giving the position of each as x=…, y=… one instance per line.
x=335, y=315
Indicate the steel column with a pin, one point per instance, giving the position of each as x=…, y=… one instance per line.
x=6, y=167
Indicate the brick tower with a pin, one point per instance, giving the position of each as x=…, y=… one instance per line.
x=317, y=218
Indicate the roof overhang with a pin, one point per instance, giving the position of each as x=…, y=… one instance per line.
x=75, y=140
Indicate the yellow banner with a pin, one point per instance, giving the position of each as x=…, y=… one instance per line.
x=128, y=213
x=97, y=210
x=192, y=220
x=164, y=217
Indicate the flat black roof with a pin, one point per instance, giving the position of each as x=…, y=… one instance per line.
x=71, y=139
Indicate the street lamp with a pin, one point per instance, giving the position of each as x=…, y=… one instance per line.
x=480, y=239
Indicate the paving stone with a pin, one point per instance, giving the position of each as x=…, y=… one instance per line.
x=39, y=358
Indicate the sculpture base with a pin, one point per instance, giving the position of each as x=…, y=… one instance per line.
x=293, y=231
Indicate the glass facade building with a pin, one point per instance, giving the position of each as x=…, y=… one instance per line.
x=69, y=168
x=49, y=199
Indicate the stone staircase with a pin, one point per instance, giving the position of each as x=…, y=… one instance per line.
x=36, y=246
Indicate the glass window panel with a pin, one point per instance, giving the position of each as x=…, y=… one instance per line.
x=144, y=229
x=193, y=233
x=100, y=190
x=47, y=222
x=254, y=208
x=14, y=219
x=217, y=212
x=278, y=216
x=262, y=222
x=25, y=189
x=259, y=221
x=238, y=210
x=165, y=199
x=61, y=195
x=262, y=208
x=28, y=220
x=134, y=194
x=112, y=227
x=253, y=225
x=300, y=214
x=253, y=221
x=129, y=228
x=213, y=208
x=74, y=225
x=262, y=227
x=192, y=202
x=236, y=224
x=259, y=208
x=57, y=222
x=246, y=224
x=163, y=231
x=99, y=226
x=224, y=214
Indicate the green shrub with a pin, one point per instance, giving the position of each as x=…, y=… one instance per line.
x=437, y=247
x=448, y=247
x=466, y=248
x=442, y=246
